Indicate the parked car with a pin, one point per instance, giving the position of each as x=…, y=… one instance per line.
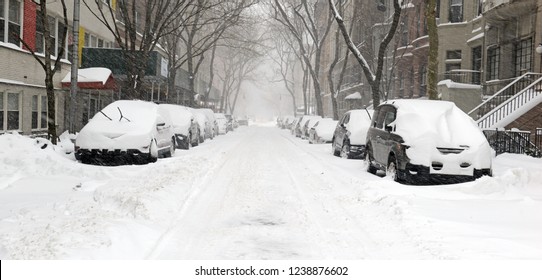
x=308, y=124
x=294, y=125
x=349, y=136
x=126, y=132
x=287, y=122
x=322, y=131
x=184, y=126
x=222, y=123
x=230, y=123
x=211, y=126
x=426, y=142
x=298, y=130
x=201, y=120
x=243, y=120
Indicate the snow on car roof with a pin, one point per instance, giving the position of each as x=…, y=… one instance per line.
x=132, y=111
x=440, y=120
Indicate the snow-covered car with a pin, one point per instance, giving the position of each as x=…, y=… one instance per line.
x=243, y=120
x=184, y=126
x=298, y=129
x=307, y=126
x=211, y=127
x=322, y=131
x=426, y=142
x=294, y=125
x=202, y=123
x=287, y=122
x=222, y=123
x=230, y=125
x=126, y=132
x=350, y=133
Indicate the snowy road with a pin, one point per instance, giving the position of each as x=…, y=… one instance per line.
x=258, y=193
x=270, y=197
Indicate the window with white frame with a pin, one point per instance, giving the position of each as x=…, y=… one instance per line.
x=56, y=28
x=35, y=112
x=10, y=21
x=10, y=107
x=43, y=112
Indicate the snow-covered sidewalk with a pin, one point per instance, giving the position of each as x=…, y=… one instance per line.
x=258, y=193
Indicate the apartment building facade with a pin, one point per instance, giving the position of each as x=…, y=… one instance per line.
x=23, y=97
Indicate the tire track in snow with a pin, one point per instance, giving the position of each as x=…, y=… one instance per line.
x=197, y=190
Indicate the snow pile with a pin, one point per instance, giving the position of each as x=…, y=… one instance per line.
x=52, y=207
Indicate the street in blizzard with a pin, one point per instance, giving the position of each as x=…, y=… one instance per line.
x=271, y=130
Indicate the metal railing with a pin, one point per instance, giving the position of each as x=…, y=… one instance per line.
x=516, y=142
x=538, y=142
x=504, y=94
x=503, y=105
x=462, y=76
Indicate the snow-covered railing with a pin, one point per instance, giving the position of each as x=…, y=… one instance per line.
x=511, y=105
x=519, y=84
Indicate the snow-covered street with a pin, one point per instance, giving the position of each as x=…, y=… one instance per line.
x=258, y=193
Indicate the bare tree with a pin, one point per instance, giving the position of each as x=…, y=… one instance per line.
x=285, y=59
x=50, y=66
x=373, y=76
x=335, y=88
x=315, y=21
x=137, y=27
x=241, y=58
x=201, y=26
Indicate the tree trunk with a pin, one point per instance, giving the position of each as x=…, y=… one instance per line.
x=432, y=79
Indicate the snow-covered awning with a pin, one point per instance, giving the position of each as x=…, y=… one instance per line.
x=355, y=95
x=92, y=78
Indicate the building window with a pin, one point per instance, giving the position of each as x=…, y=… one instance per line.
x=456, y=11
x=10, y=29
x=455, y=54
x=35, y=112
x=43, y=111
x=480, y=7
x=476, y=65
x=524, y=56
x=493, y=59
x=9, y=111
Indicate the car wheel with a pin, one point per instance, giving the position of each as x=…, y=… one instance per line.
x=369, y=161
x=334, y=150
x=172, y=147
x=392, y=171
x=153, y=151
x=345, y=150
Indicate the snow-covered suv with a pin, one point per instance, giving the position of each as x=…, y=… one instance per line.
x=426, y=142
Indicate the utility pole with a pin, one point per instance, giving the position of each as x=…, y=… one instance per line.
x=75, y=65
